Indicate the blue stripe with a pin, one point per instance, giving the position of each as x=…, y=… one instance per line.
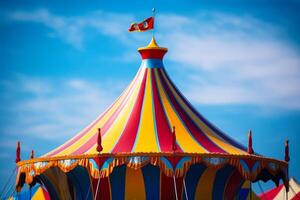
x=151, y=176
x=191, y=179
x=117, y=182
x=220, y=181
x=79, y=178
x=152, y=63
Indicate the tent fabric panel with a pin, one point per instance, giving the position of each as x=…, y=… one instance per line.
x=199, y=136
x=185, y=140
x=205, y=184
x=191, y=179
x=134, y=184
x=151, y=175
x=164, y=128
x=127, y=139
x=166, y=187
x=146, y=139
x=234, y=182
x=221, y=178
x=113, y=134
x=80, y=180
x=52, y=190
x=117, y=182
x=99, y=122
x=214, y=134
x=59, y=181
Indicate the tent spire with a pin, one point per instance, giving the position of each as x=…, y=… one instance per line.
x=250, y=149
x=18, y=152
x=99, y=141
x=32, y=154
x=174, y=147
x=287, y=151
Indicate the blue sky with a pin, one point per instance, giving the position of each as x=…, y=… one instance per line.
x=63, y=63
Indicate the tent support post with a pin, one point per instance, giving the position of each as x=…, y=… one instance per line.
x=175, y=188
x=185, y=191
x=98, y=183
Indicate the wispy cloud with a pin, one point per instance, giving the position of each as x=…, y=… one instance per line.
x=52, y=109
x=228, y=59
x=233, y=59
x=75, y=29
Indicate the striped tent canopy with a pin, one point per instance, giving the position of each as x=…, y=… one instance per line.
x=279, y=192
x=151, y=122
x=36, y=193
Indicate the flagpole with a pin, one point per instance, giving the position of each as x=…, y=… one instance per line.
x=153, y=15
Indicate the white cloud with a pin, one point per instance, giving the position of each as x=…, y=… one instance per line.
x=227, y=59
x=74, y=29
x=233, y=59
x=66, y=107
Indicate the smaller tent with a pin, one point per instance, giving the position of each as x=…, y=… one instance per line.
x=280, y=192
x=37, y=192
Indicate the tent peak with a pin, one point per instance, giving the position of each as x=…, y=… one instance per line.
x=152, y=50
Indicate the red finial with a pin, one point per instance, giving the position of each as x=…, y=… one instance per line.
x=99, y=141
x=174, y=147
x=287, y=151
x=250, y=149
x=18, y=152
x=32, y=154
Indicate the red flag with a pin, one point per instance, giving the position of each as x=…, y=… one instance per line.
x=145, y=25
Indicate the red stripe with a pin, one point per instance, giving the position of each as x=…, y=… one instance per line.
x=103, y=192
x=74, y=139
x=167, y=190
x=164, y=131
x=209, y=124
x=85, y=147
x=127, y=139
x=296, y=197
x=271, y=194
x=202, y=139
x=232, y=185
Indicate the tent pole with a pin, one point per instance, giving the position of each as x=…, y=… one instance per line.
x=175, y=188
x=98, y=183
x=185, y=191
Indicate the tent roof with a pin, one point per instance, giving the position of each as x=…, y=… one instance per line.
x=137, y=129
x=141, y=119
x=280, y=191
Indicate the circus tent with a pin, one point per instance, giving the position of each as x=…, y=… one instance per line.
x=151, y=143
x=36, y=193
x=279, y=192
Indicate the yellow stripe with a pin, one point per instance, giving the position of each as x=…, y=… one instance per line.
x=210, y=133
x=205, y=185
x=93, y=130
x=187, y=143
x=38, y=195
x=134, y=184
x=146, y=138
x=114, y=132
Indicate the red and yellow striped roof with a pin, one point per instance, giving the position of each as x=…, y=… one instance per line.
x=141, y=119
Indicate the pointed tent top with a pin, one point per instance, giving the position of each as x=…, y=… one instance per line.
x=152, y=50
